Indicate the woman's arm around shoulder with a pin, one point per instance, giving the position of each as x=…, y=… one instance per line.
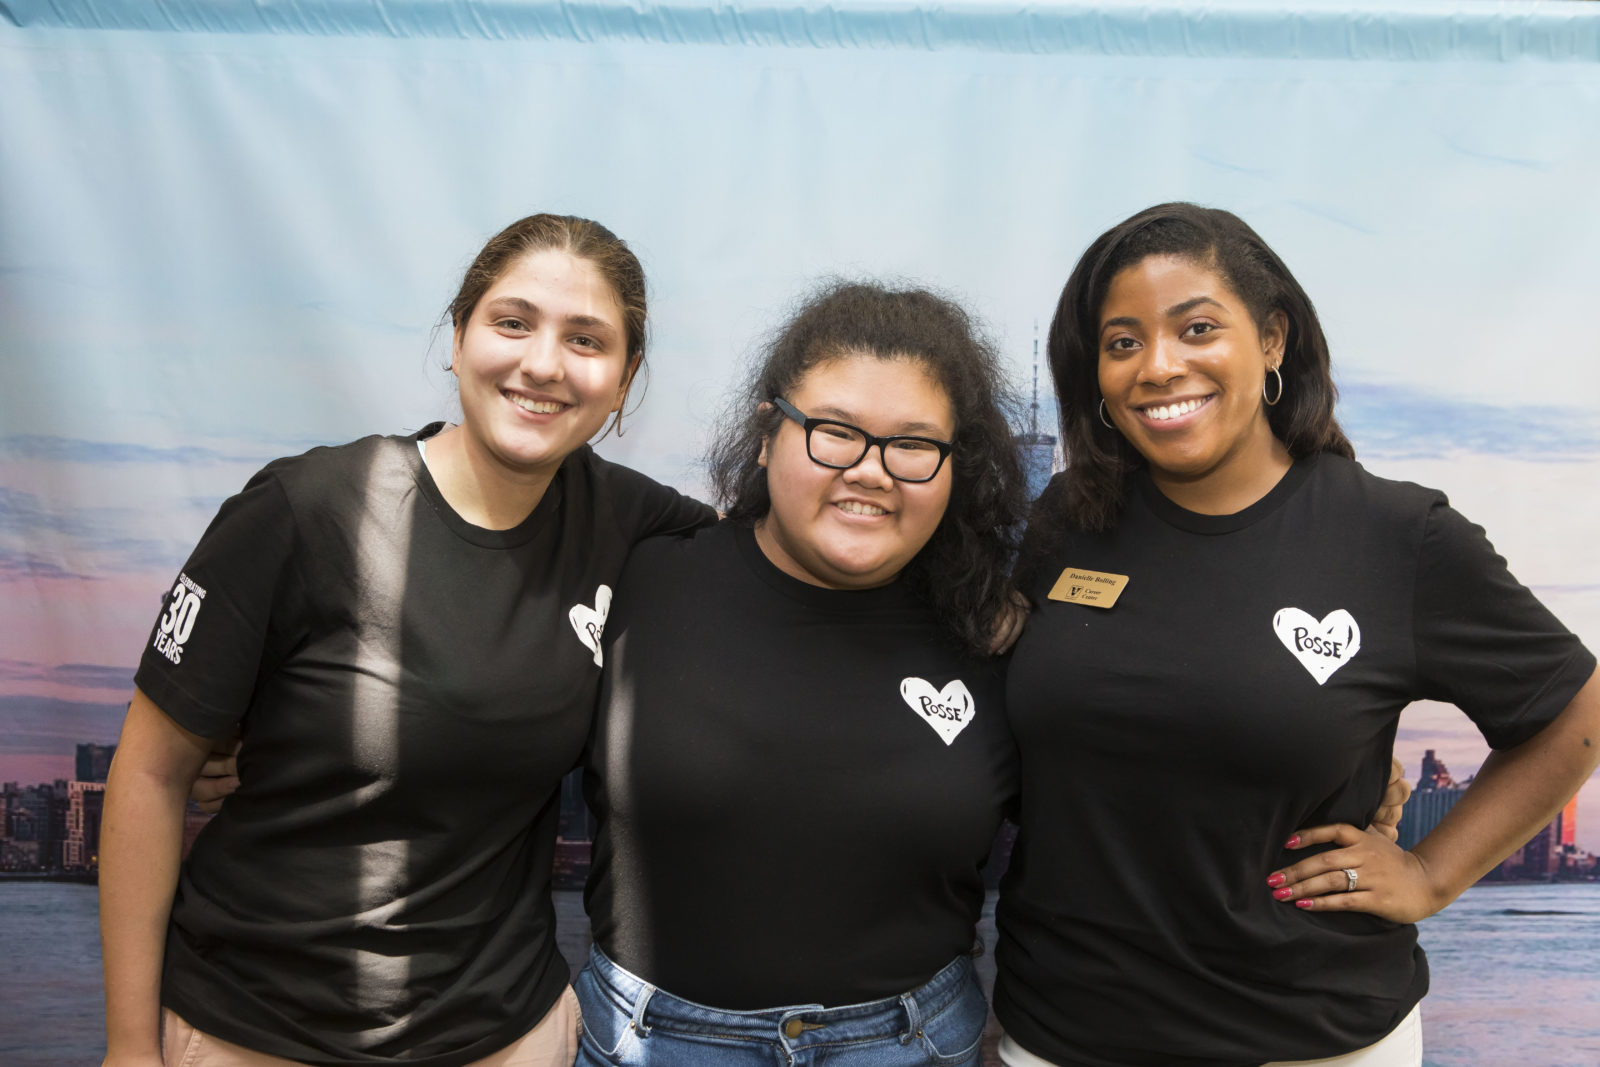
x=140, y=844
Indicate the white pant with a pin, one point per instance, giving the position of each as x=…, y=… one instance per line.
x=1402, y=1048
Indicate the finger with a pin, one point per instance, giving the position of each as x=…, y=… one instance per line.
x=1386, y=821
x=1357, y=901
x=217, y=766
x=206, y=791
x=1009, y=622
x=1340, y=833
x=1316, y=886
x=1323, y=862
x=1396, y=792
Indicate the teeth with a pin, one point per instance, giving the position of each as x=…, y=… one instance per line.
x=538, y=407
x=1172, y=411
x=856, y=507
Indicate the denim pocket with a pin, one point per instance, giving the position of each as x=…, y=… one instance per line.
x=953, y=1037
x=606, y=1029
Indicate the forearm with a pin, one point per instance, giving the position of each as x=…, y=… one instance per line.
x=1515, y=793
x=141, y=842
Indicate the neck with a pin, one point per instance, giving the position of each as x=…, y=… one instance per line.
x=481, y=490
x=1233, y=485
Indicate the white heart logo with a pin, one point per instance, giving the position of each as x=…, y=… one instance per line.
x=590, y=623
x=1321, y=647
x=947, y=710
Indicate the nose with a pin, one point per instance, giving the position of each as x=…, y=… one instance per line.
x=541, y=357
x=869, y=472
x=1163, y=362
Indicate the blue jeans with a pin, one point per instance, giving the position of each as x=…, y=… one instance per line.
x=629, y=1023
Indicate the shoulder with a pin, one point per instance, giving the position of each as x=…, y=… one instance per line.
x=328, y=471
x=632, y=504
x=592, y=477
x=1378, y=511
x=1343, y=477
x=709, y=548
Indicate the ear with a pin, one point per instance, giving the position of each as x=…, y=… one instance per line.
x=1275, y=338
x=455, y=353
x=761, y=458
x=627, y=383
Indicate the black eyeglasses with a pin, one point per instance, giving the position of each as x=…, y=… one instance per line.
x=839, y=445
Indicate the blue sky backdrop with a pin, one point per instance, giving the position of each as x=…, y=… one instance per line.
x=227, y=232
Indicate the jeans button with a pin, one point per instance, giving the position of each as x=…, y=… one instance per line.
x=792, y=1028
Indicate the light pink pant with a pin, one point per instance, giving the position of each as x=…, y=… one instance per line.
x=553, y=1043
x=1402, y=1048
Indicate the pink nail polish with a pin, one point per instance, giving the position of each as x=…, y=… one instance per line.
x=1302, y=904
x=1275, y=879
x=1293, y=842
x=1282, y=894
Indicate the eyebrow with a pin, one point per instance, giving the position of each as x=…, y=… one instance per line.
x=1191, y=304
x=913, y=429
x=1172, y=312
x=528, y=309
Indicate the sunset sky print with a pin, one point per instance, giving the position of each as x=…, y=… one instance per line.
x=220, y=248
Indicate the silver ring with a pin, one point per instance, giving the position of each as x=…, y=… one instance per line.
x=1350, y=879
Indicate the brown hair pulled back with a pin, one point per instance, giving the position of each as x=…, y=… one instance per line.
x=580, y=238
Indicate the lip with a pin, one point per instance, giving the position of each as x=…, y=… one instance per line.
x=850, y=516
x=514, y=395
x=1180, y=422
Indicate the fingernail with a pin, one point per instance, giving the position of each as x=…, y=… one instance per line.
x=1282, y=894
x=1275, y=879
x=1302, y=904
x=1293, y=842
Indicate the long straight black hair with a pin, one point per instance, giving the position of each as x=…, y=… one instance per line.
x=1091, y=493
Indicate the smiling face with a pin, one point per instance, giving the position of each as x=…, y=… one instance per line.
x=541, y=362
x=855, y=528
x=1182, y=366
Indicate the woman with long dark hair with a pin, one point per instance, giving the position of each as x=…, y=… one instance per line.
x=1230, y=615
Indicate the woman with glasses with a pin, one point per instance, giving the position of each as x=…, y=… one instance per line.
x=802, y=756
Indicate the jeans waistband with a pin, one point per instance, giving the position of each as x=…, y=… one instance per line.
x=796, y=1025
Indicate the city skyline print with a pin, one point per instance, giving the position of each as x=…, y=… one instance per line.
x=229, y=233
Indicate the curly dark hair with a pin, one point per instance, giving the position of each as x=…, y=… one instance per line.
x=1091, y=493
x=962, y=572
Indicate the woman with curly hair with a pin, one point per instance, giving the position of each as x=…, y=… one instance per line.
x=802, y=757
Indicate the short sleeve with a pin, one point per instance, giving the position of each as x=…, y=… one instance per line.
x=1483, y=641
x=648, y=509
x=207, y=648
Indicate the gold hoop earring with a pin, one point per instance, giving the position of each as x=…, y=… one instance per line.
x=1276, y=396
x=1103, y=415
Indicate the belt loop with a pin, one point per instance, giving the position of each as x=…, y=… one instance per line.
x=913, y=1018
x=638, y=1011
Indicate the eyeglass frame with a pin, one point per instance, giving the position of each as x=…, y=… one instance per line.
x=807, y=423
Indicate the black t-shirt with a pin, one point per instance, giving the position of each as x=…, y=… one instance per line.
x=411, y=690
x=1247, y=683
x=797, y=786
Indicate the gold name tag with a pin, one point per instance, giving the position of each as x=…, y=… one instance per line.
x=1094, y=588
